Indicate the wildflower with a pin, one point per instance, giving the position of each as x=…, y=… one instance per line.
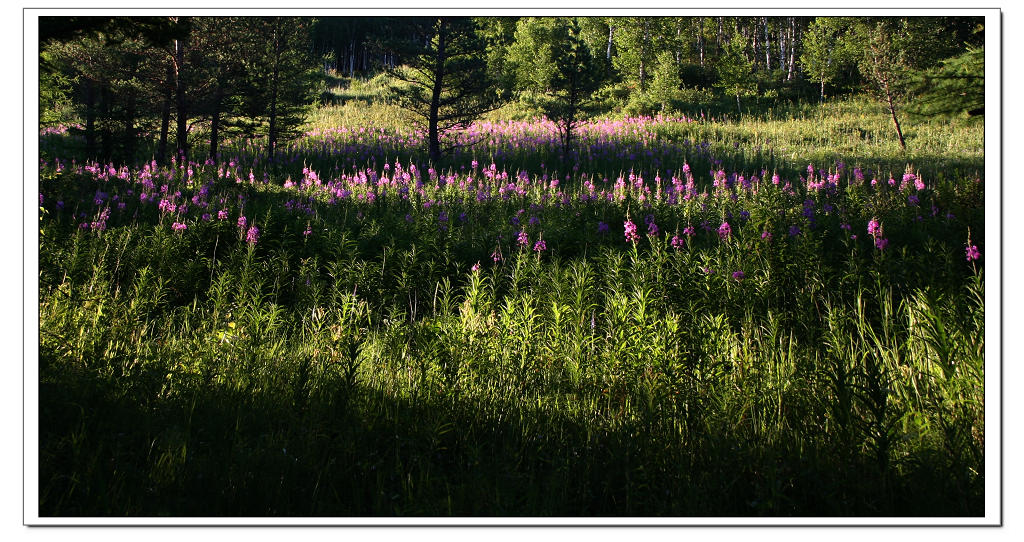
x=523, y=239
x=689, y=231
x=222, y=215
x=724, y=231
x=738, y=275
x=913, y=200
x=178, y=226
x=602, y=228
x=973, y=253
x=874, y=228
x=534, y=221
x=308, y=231
x=630, y=227
x=652, y=229
x=678, y=242
x=253, y=235
x=794, y=230
x=844, y=226
x=408, y=218
x=766, y=236
x=206, y=217
x=540, y=246
x=242, y=221
x=496, y=255
x=881, y=243
x=707, y=270
x=476, y=267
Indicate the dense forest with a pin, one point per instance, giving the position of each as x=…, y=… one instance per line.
x=165, y=80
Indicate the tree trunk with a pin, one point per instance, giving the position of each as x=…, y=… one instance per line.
x=611, y=33
x=106, y=136
x=700, y=40
x=165, y=117
x=782, y=48
x=435, y=95
x=130, y=136
x=895, y=121
x=823, y=91
x=792, y=47
x=181, y=135
x=272, y=129
x=90, y=119
x=215, y=123
x=643, y=55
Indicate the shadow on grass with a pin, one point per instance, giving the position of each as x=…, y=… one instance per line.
x=113, y=447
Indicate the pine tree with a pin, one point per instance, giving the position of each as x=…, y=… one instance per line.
x=444, y=68
x=555, y=64
x=955, y=87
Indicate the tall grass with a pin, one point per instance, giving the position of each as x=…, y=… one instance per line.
x=352, y=362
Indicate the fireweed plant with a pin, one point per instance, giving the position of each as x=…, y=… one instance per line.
x=646, y=327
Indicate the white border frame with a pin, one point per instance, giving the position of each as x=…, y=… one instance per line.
x=993, y=270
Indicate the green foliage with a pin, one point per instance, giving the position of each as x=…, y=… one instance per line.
x=955, y=87
x=447, y=75
x=55, y=92
x=735, y=71
x=667, y=83
x=278, y=86
x=554, y=62
x=827, y=49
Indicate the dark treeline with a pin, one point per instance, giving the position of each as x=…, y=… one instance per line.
x=167, y=80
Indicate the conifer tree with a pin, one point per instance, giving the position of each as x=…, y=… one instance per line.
x=557, y=67
x=954, y=87
x=444, y=70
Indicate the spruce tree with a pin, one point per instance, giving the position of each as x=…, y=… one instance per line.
x=444, y=76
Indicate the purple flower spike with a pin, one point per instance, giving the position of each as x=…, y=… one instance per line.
x=973, y=253
x=724, y=231
x=631, y=235
x=874, y=228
